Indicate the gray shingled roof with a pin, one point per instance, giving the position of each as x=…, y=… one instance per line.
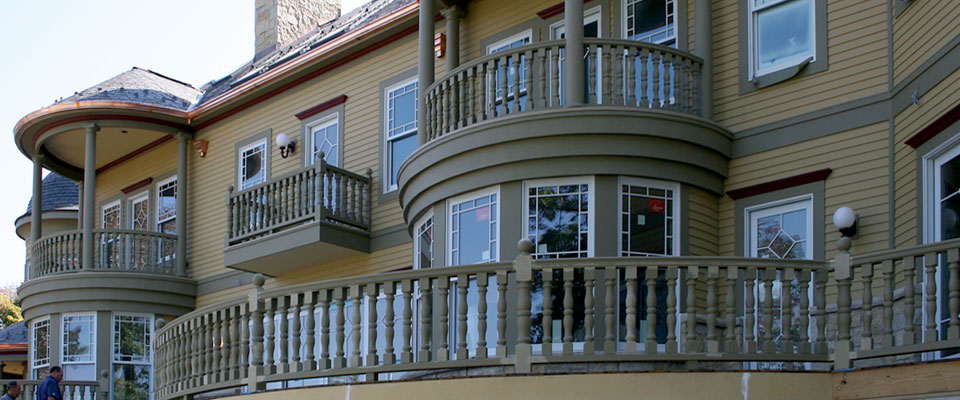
x=58, y=193
x=140, y=86
x=359, y=17
x=16, y=333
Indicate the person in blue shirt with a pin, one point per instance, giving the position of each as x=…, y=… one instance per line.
x=13, y=391
x=49, y=389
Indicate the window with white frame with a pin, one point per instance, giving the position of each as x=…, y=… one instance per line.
x=423, y=245
x=652, y=21
x=79, y=347
x=401, y=125
x=253, y=168
x=781, y=34
x=649, y=218
x=515, y=84
x=40, y=347
x=132, y=356
x=167, y=206
x=781, y=230
x=140, y=212
x=110, y=215
x=473, y=229
x=323, y=137
x=558, y=217
x=941, y=208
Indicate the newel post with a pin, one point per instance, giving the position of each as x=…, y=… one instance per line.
x=842, y=274
x=523, y=265
x=255, y=373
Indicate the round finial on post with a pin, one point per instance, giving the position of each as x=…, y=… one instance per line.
x=104, y=374
x=369, y=172
x=258, y=280
x=230, y=188
x=525, y=246
x=161, y=322
x=844, y=244
x=322, y=155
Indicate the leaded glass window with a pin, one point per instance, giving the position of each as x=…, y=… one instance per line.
x=325, y=139
x=253, y=169
x=424, y=245
x=651, y=21
x=473, y=229
x=40, y=360
x=79, y=347
x=140, y=213
x=558, y=219
x=167, y=206
x=648, y=219
x=111, y=216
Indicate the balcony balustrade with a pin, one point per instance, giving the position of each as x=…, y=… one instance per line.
x=620, y=73
x=508, y=314
x=319, y=192
x=114, y=250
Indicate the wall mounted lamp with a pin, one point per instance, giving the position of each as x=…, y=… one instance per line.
x=845, y=219
x=286, y=145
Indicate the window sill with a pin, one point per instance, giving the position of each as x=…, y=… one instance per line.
x=773, y=78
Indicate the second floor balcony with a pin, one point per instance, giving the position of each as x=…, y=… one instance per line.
x=315, y=214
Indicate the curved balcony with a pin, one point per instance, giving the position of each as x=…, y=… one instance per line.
x=620, y=73
x=503, y=117
x=132, y=271
x=116, y=250
x=507, y=319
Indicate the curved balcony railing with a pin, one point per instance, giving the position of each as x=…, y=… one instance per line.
x=618, y=73
x=114, y=250
x=320, y=192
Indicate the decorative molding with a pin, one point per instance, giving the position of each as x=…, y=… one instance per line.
x=135, y=186
x=780, y=184
x=109, y=117
x=553, y=10
x=319, y=108
x=935, y=127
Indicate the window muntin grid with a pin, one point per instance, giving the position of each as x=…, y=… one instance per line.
x=558, y=220
x=325, y=139
x=424, y=245
x=253, y=169
x=41, y=344
x=401, y=125
x=167, y=206
x=652, y=21
x=140, y=212
x=647, y=220
x=473, y=229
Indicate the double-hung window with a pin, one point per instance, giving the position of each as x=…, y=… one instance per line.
x=423, y=244
x=132, y=356
x=110, y=252
x=401, y=125
x=253, y=168
x=652, y=21
x=40, y=347
x=167, y=206
x=79, y=347
x=781, y=34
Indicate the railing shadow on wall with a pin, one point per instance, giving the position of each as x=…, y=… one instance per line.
x=751, y=313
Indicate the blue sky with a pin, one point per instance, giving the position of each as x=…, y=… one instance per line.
x=50, y=49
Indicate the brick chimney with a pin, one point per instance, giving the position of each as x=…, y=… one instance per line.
x=279, y=22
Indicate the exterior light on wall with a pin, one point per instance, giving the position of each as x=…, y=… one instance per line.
x=286, y=145
x=201, y=146
x=845, y=219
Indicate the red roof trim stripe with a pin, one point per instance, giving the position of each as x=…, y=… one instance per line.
x=319, y=108
x=779, y=184
x=935, y=127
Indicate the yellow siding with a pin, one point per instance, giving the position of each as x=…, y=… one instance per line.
x=859, y=180
x=922, y=30
x=488, y=17
x=857, y=52
x=151, y=164
x=914, y=118
x=703, y=223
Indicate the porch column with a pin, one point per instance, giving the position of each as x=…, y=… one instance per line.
x=703, y=18
x=573, y=21
x=426, y=66
x=453, y=15
x=36, y=205
x=183, y=140
x=89, y=192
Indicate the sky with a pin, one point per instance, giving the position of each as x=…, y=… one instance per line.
x=53, y=48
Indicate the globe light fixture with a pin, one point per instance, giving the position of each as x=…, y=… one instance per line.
x=845, y=219
x=286, y=145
